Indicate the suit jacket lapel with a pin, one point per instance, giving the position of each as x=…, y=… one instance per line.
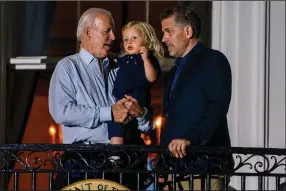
x=167, y=86
x=187, y=72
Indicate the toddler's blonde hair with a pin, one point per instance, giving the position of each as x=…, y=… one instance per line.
x=150, y=39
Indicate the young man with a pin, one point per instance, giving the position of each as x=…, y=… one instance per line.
x=197, y=93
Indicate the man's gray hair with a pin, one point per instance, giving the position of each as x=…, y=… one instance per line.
x=87, y=19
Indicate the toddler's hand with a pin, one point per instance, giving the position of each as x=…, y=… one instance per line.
x=144, y=53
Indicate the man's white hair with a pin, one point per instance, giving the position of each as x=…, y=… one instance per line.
x=87, y=19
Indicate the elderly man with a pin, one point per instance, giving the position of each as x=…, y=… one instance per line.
x=80, y=94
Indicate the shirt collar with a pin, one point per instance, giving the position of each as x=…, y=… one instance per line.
x=88, y=58
x=182, y=60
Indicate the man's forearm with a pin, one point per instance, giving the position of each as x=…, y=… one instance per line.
x=80, y=115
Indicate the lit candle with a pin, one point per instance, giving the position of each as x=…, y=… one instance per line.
x=52, y=131
x=158, y=124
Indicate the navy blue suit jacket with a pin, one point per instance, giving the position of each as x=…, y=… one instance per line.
x=200, y=100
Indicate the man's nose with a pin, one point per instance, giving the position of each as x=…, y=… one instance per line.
x=164, y=39
x=112, y=35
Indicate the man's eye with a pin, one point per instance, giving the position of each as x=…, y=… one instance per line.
x=134, y=37
x=107, y=31
x=125, y=40
x=167, y=31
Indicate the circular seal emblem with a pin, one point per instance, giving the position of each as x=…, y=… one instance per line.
x=95, y=184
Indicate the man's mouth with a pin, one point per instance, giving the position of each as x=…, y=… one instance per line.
x=169, y=47
x=107, y=45
x=129, y=48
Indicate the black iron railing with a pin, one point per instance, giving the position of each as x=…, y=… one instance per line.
x=55, y=166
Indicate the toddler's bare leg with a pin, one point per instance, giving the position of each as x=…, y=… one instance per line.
x=117, y=140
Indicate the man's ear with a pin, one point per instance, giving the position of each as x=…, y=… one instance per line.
x=189, y=32
x=87, y=31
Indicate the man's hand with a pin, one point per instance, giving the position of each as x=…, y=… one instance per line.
x=120, y=112
x=133, y=106
x=178, y=147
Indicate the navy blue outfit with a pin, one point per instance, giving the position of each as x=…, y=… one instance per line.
x=195, y=103
x=131, y=80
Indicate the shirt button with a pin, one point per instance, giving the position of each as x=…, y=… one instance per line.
x=127, y=62
x=131, y=57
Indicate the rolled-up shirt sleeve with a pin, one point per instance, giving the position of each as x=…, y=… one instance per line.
x=63, y=106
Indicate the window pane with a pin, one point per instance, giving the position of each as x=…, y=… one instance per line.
x=62, y=41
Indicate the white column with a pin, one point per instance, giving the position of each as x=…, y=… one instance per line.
x=238, y=30
x=277, y=75
x=277, y=132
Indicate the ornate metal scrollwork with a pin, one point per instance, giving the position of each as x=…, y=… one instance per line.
x=260, y=163
x=77, y=158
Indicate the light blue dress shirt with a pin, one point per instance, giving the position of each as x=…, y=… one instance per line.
x=80, y=99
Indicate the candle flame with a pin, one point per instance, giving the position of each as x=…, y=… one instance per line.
x=52, y=130
x=158, y=122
